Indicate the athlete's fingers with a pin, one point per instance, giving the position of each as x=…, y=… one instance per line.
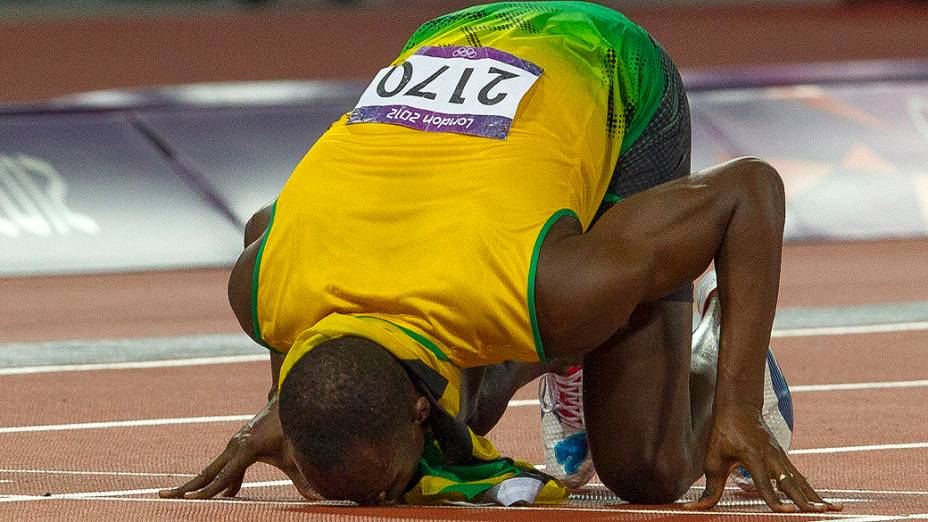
x=807, y=488
x=300, y=483
x=236, y=486
x=715, y=486
x=761, y=480
x=788, y=485
x=788, y=482
x=223, y=480
x=203, y=478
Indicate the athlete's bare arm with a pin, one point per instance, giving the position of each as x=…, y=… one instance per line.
x=261, y=439
x=654, y=242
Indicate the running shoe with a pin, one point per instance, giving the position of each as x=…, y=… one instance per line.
x=778, y=403
x=567, y=454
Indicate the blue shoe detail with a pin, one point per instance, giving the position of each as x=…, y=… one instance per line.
x=743, y=471
x=780, y=388
x=784, y=400
x=571, y=452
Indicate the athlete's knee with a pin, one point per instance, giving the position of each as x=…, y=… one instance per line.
x=760, y=179
x=751, y=183
x=642, y=482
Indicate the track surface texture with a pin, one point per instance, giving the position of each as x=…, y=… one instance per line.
x=99, y=443
x=133, y=50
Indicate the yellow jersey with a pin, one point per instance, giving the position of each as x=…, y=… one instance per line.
x=434, y=225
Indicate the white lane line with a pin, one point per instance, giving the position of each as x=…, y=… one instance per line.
x=236, y=359
x=856, y=449
x=235, y=501
x=739, y=502
x=572, y=509
x=537, y=466
x=125, y=424
x=868, y=518
x=92, y=494
x=872, y=491
x=801, y=388
x=851, y=330
x=858, y=386
x=102, y=473
x=169, y=363
x=713, y=514
x=122, y=494
x=576, y=509
x=127, y=492
x=823, y=490
x=119, y=495
x=519, y=403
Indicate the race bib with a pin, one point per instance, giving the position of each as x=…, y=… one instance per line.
x=465, y=90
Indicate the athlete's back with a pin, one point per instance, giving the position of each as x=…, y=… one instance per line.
x=436, y=226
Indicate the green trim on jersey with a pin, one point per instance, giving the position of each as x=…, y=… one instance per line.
x=533, y=270
x=255, y=324
x=415, y=336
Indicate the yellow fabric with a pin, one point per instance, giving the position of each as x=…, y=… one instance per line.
x=436, y=232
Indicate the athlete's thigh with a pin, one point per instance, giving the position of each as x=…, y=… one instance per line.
x=499, y=383
x=636, y=403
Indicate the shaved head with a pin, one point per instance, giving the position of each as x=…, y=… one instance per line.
x=353, y=417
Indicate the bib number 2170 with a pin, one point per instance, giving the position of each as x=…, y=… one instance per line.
x=465, y=90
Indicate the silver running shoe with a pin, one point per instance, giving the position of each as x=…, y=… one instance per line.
x=778, y=404
x=567, y=454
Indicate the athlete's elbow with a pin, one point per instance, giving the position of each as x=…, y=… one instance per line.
x=762, y=181
x=598, y=303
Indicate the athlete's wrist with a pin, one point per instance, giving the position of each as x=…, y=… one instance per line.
x=738, y=395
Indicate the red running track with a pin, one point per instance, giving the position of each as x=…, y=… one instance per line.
x=867, y=447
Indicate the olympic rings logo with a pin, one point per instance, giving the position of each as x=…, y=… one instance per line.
x=464, y=52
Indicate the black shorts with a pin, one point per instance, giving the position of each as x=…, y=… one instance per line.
x=661, y=153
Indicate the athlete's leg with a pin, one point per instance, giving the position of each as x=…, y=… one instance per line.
x=498, y=385
x=660, y=154
x=594, y=295
x=647, y=407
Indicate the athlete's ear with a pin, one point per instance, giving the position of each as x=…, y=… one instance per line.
x=422, y=409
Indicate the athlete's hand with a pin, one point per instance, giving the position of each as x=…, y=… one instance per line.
x=261, y=440
x=739, y=437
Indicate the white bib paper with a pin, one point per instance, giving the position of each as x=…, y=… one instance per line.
x=465, y=90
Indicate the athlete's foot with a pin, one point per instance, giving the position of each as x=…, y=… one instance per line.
x=778, y=404
x=567, y=454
